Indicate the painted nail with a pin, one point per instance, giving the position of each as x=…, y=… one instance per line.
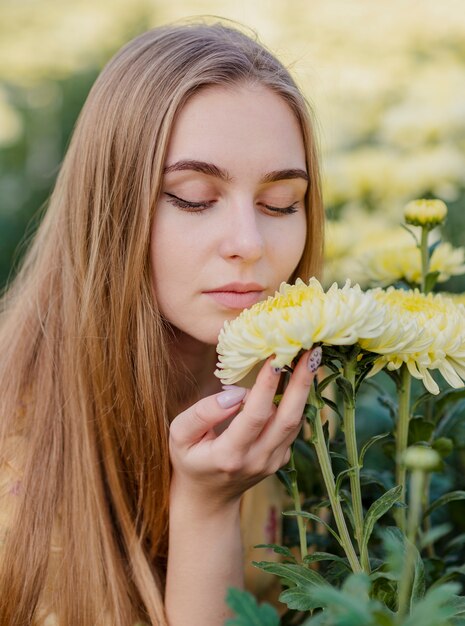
x=230, y=397
x=277, y=370
x=314, y=359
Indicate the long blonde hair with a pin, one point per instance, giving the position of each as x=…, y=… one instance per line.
x=84, y=347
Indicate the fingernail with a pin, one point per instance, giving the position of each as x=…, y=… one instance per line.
x=277, y=370
x=314, y=359
x=230, y=397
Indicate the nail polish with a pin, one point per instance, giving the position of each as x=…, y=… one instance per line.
x=277, y=370
x=314, y=359
x=230, y=397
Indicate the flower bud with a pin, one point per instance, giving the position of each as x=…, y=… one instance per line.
x=425, y=213
x=421, y=458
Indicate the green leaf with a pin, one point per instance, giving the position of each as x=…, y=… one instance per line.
x=418, y=586
x=423, y=398
x=371, y=476
x=395, y=546
x=284, y=477
x=447, y=397
x=248, y=612
x=337, y=455
x=456, y=543
x=347, y=390
x=458, y=602
x=305, y=580
x=357, y=585
x=327, y=381
x=388, y=403
x=433, y=246
x=435, y=608
x=278, y=550
x=445, y=499
x=315, y=518
x=368, y=445
x=332, y=405
x=377, y=510
x=310, y=412
x=333, y=352
x=325, y=556
x=346, y=500
x=433, y=534
x=430, y=281
x=419, y=430
x=384, y=588
x=302, y=448
x=349, y=606
x=300, y=599
x=452, y=572
x=340, y=478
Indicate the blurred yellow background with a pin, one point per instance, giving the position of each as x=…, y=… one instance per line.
x=386, y=79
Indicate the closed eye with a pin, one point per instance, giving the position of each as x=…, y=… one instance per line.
x=195, y=207
x=287, y=210
x=198, y=207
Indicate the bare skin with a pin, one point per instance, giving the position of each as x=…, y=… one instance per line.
x=231, y=216
x=210, y=475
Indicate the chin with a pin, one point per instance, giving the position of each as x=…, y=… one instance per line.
x=207, y=335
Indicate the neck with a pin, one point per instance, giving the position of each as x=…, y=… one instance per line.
x=199, y=359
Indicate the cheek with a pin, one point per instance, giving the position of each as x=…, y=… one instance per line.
x=174, y=259
x=165, y=256
x=288, y=248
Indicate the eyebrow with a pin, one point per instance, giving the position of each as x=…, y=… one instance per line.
x=213, y=170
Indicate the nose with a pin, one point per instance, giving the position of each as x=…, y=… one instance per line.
x=242, y=237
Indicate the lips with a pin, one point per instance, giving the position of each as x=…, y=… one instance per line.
x=237, y=295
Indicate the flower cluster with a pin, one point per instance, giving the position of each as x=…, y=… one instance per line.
x=383, y=267
x=435, y=326
x=424, y=332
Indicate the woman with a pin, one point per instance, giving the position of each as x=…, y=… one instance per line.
x=189, y=191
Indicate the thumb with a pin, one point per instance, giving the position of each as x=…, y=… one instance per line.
x=193, y=423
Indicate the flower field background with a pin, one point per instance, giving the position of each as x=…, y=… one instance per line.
x=387, y=82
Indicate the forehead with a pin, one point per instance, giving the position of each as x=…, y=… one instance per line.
x=220, y=124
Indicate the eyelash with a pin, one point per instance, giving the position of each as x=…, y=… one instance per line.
x=198, y=207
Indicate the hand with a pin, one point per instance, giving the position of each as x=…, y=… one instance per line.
x=215, y=470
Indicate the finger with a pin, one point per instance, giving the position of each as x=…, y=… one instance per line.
x=286, y=424
x=199, y=419
x=258, y=408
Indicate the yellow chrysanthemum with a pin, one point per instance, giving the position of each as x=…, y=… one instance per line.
x=385, y=266
x=457, y=298
x=295, y=318
x=427, y=213
x=426, y=332
x=437, y=343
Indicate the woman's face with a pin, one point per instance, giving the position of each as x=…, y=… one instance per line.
x=230, y=224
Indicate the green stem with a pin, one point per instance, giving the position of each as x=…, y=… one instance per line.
x=405, y=584
x=402, y=440
x=298, y=507
x=427, y=523
x=352, y=456
x=328, y=477
x=424, y=258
